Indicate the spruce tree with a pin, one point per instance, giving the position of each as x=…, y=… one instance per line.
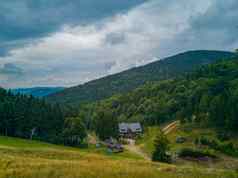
x=161, y=148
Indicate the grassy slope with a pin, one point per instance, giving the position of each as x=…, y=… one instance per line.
x=17, y=144
x=190, y=133
x=27, y=159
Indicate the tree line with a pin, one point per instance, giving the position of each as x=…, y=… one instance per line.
x=33, y=118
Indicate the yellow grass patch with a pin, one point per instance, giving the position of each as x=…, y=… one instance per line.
x=25, y=162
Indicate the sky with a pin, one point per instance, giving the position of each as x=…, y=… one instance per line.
x=70, y=42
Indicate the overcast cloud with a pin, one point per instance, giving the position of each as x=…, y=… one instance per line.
x=84, y=46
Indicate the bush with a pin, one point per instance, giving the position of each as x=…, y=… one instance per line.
x=204, y=141
x=208, y=142
x=193, y=153
x=161, y=148
x=222, y=136
x=226, y=148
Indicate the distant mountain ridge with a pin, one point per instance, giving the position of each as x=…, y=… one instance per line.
x=130, y=79
x=38, y=91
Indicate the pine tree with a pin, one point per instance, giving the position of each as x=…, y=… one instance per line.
x=29, y=117
x=105, y=124
x=161, y=148
x=74, y=131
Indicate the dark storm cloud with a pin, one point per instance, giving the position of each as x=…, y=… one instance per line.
x=20, y=19
x=90, y=46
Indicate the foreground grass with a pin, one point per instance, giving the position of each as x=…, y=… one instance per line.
x=26, y=159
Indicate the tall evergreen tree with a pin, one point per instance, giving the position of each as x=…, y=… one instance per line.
x=74, y=131
x=106, y=124
x=161, y=148
x=29, y=117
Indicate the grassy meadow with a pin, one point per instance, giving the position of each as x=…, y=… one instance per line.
x=31, y=159
x=190, y=132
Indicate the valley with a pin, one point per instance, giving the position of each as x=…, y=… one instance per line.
x=177, y=128
x=118, y=89
x=37, y=91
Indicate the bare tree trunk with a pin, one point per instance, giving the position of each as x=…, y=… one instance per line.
x=32, y=133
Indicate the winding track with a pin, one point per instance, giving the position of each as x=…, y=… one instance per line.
x=132, y=147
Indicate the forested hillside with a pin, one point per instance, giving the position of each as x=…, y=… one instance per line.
x=28, y=117
x=208, y=96
x=133, y=78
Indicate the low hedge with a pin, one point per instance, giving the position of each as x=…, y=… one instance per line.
x=195, y=153
x=224, y=147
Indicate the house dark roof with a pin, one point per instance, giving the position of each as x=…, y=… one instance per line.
x=133, y=127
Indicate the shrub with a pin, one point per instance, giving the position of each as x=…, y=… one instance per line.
x=222, y=136
x=193, y=153
x=161, y=148
x=204, y=141
x=226, y=148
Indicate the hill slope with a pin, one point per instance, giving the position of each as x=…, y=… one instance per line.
x=131, y=79
x=207, y=96
x=37, y=91
x=22, y=158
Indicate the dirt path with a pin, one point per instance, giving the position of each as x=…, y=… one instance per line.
x=132, y=147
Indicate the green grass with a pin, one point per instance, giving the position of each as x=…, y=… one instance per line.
x=190, y=132
x=146, y=142
x=31, y=159
x=22, y=143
